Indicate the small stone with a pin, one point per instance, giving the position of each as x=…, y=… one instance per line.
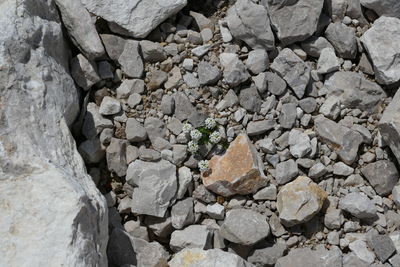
x=109, y=106
x=182, y=213
x=276, y=85
x=267, y=193
x=203, y=194
x=267, y=145
x=116, y=156
x=317, y=171
x=288, y=115
x=333, y=218
x=235, y=71
x=208, y=74
x=259, y=127
x=130, y=60
x=314, y=45
x=308, y=104
x=216, y=211
x=286, y=171
x=327, y=62
x=342, y=169
x=229, y=100
x=91, y=151
x=250, y=100
x=382, y=175
x=167, y=105
x=134, y=130
x=174, y=79
x=134, y=100
x=156, y=79
x=299, y=143
x=267, y=256
x=187, y=64
x=359, y=247
x=358, y=205
x=84, y=72
x=105, y=70
x=343, y=39
x=257, y=61
x=331, y=107
x=152, y=52
x=313, y=258
x=193, y=236
x=382, y=245
x=333, y=238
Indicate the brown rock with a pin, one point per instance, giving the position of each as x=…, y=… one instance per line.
x=238, y=171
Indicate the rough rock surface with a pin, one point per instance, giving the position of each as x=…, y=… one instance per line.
x=382, y=175
x=389, y=8
x=358, y=205
x=312, y=258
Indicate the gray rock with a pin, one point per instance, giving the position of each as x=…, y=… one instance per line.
x=343, y=39
x=257, y=61
x=121, y=248
x=229, y=100
x=276, y=85
x=299, y=143
x=193, y=236
x=156, y=79
x=203, y=194
x=311, y=258
x=267, y=256
x=134, y=130
x=395, y=260
x=308, y=104
x=327, y=62
x=156, y=186
x=167, y=105
x=179, y=154
x=127, y=17
x=259, y=127
x=293, y=70
x=317, y=171
x=313, y=46
x=152, y=255
x=109, y=106
x=134, y=100
x=250, y=23
x=267, y=145
x=148, y=154
x=389, y=8
x=152, y=52
x=267, y=193
x=155, y=129
x=184, y=180
x=130, y=86
x=201, y=21
x=333, y=218
x=288, y=115
x=208, y=74
x=358, y=205
x=383, y=48
x=235, y=71
x=94, y=123
x=91, y=151
x=359, y=248
x=339, y=168
x=116, y=156
x=105, y=70
x=331, y=107
x=261, y=82
x=382, y=175
x=201, y=50
x=245, y=227
x=286, y=171
x=191, y=81
x=174, y=79
x=182, y=213
x=130, y=59
x=351, y=260
x=84, y=72
x=114, y=45
x=161, y=227
x=382, y=245
x=277, y=228
x=216, y=211
x=250, y=100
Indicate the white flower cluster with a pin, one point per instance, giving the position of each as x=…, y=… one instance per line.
x=187, y=127
x=195, y=134
x=193, y=147
x=215, y=137
x=203, y=165
x=210, y=123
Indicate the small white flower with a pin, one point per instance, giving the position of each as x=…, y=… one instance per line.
x=215, y=137
x=195, y=134
x=187, y=127
x=203, y=165
x=210, y=123
x=193, y=147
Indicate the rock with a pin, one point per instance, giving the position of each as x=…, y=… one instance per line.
x=201, y=21
x=148, y=154
x=161, y=227
x=285, y=171
x=299, y=143
x=359, y=248
x=267, y=145
x=313, y=46
x=156, y=131
x=276, y=85
x=235, y=71
x=152, y=255
x=382, y=175
x=105, y=70
x=343, y=39
x=267, y=193
x=130, y=86
x=127, y=17
x=339, y=168
x=201, y=50
x=184, y=180
x=216, y=211
x=299, y=201
x=91, y=151
x=49, y=200
x=382, y=245
x=81, y=29
x=358, y=205
x=327, y=62
x=134, y=130
x=229, y=175
x=130, y=60
x=157, y=79
x=293, y=70
x=288, y=115
x=134, y=100
x=167, y=105
x=267, y=256
x=250, y=100
x=182, y=213
x=193, y=236
x=308, y=104
x=212, y=257
x=84, y=72
x=208, y=74
x=351, y=260
x=295, y=21
x=109, y=106
x=245, y=227
x=318, y=170
x=383, y=47
x=333, y=218
x=365, y=65
x=116, y=156
x=174, y=79
x=156, y=186
x=94, y=123
x=259, y=127
x=331, y=107
x=203, y=194
x=183, y=106
x=114, y=45
x=121, y=248
x=249, y=22
x=311, y=258
x=257, y=61
x=390, y=8
x=152, y=52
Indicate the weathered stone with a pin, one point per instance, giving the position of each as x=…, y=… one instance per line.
x=257, y=61
x=382, y=245
x=238, y=171
x=193, y=236
x=84, y=72
x=250, y=100
x=109, y=106
x=130, y=59
x=134, y=18
x=229, y=100
x=299, y=143
x=311, y=258
x=156, y=79
x=184, y=180
x=94, y=123
x=382, y=175
x=249, y=22
x=91, y=151
x=333, y=218
x=182, y=213
x=285, y=171
x=293, y=70
x=259, y=127
x=161, y=227
x=358, y=205
x=343, y=39
x=201, y=21
x=235, y=71
x=288, y=115
x=167, y=105
x=382, y=44
x=156, y=130
x=134, y=130
x=121, y=248
x=208, y=74
x=313, y=46
x=203, y=194
x=267, y=193
x=331, y=107
x=276, y=85
x=339, y=168
x=299, y=201
x=245, y=227
x=388, y=8
x=216, y=211
x=359, y=248
x=114, y=45
x=116, y=156
x=156, y=186
x=327, y=62
x=152, y=52
x=174, y=79
x=152, y=255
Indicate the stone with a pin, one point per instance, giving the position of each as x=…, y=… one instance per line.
x=382, y=245
x=382, y=175
x=184, y=180
x=267, y=145
x=84, y=72
x=187, y=64
x=134, y=130
x=191, y=81
x=359, y=248
x=383, y=47
x=299, y=201
x=311, y=258
x=160, y=226
x=259, y=127
x=267, y=193
x=285, y=171
x=238, y=171
x=114, y=45
x=193, y=236
x=91, y=151
x=343, y=39
x=288, y=115
x=308, y=104
x=174, y=79
x=134, y=100
x=314, y=45
x=152, y=52
x=235, y=71
x=358, y=205
x=245, y=227
x=201, y=21
x=216, y=211
x=250, y=23
x=48, y=199
x=152, y=255
x=157, y=79
x=105, y=70
x=201, y=50
x=109, y=106
x=250, y=100
x=127, y=17
x=229, y=100
x=94, y=123
x=293, y=70
x=267, y=256
x=333, y=218
x=167, y=105
x=299, y=143
x=327, y=62
x=351, y=260
x=155, y=129
x=148, y=154
x=194, y=37
x=155, y=186
x=212, y=257
x=331, y=107
x=341, y=169
x=276, y=85
x=365, y=65
x=317, y=171
x=257, y=61
x=208, y=74
x=182, y=213
x=121, y=248
x=203, y=194
x=390, y=8
x=260, y=82
x=130, y=60
x=116, y=156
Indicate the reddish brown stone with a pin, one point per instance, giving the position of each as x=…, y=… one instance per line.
x=238, y=171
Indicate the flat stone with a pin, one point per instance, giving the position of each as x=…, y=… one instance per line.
x=293, y=70
x=267, y=145
x=130, y=60
x=299, y=201
x=116, y=156
x=358, y=205
x=94, y=123
x=84, y=72
x=235, y=71
x=343, y=39
x=134, y=130
x=276, y=85
x=156, y=79
x=267, y=193
x=109, y=106
x=382, y=175
x=174, y=79
x=182, y=213
x=299, y=143
x=134, y=100
x=318, y=170
x=311, y=258
x=288, y=115
x=259, y=127
x=382, y=245
x=91, y=151
x=359, y=248
x=216, y=211
x=229, y=100
x=285, y=171
x=208, y=74
x=341, y=169
x=152, y=255
x=238, y=171
x=193, y=236
x=167, y=105
x=245, y=227
x=308, y=104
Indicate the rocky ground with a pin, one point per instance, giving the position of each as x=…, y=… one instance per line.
x=241, y=133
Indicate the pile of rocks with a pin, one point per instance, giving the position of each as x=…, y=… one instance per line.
x=304, y=98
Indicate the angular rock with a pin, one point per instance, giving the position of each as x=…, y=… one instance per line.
x=182, y=213
x=288, y=115
x=333, y=218
x=121, y=248
x=299, y=201
x=389, y=8
x=208, y=74
x=259, y=127
x=276, y=85
x=343, y=39
x=238, y=171
x=245, y=227
x=152, y=52
x=257, y=61
x=152, y=255
x=359, y=248
x=174, y=79
x=216, y=211
x=109, y=106
x=285, y=171
x=382, y=245
x=267, y=193
x=327, y=62
x=311, y=258
x=267, y=256
x=156, y=79
x=250, y=100
x=94, y=123
x=358, y=205
x=313, y=46
x=134, y=18
x=116, y=156
x=382, y=175
x=331, y=107
x=229, y=100
x=114, y=45
x=84, y=72
x=235, y=71
x=130, y=60
x=184, y=180
x=341, y=169
x=134, y=130
x=156, y=186
x=91, y=151
x=299, y=143
x=249, y=22
x=382, y=44
x=293, y=70
x=193, y=236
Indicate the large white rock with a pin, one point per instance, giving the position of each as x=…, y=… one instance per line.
x=390, y=8
x=51, y=212
x=134, y=17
